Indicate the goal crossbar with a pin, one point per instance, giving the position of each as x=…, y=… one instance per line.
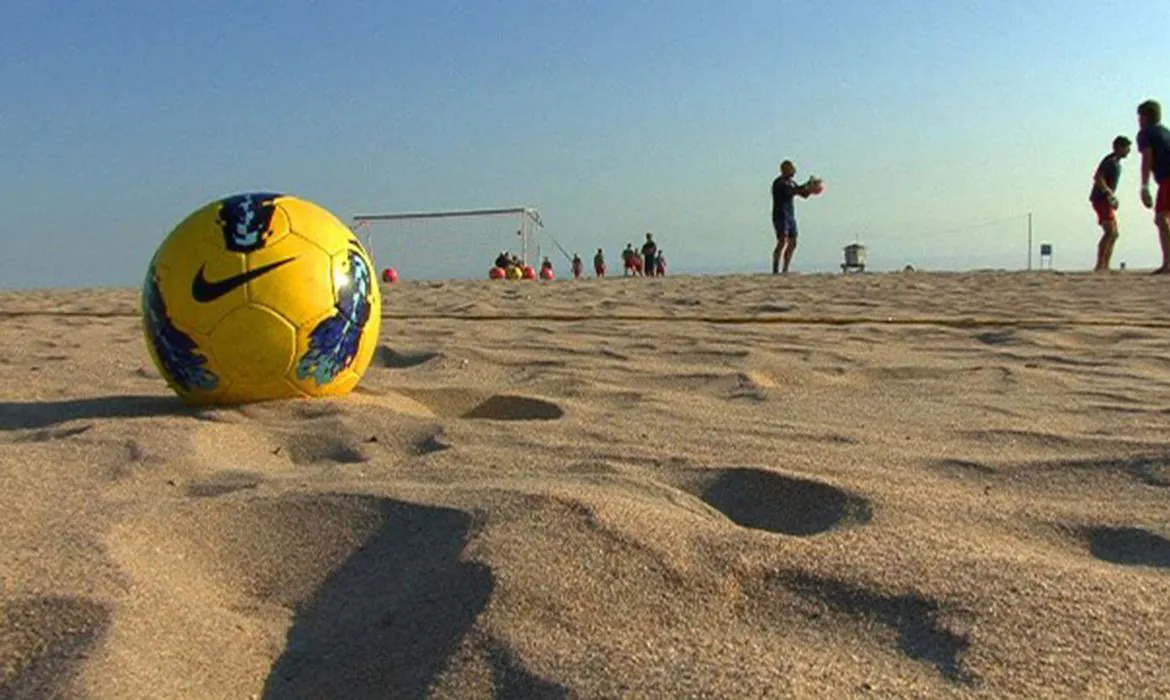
x=529, y=218
x=528, y=212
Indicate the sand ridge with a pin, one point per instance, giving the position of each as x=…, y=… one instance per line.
x=563, y=503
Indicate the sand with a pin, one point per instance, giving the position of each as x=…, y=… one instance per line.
x=890, y=485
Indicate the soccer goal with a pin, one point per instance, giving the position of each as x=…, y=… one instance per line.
x=450, y=244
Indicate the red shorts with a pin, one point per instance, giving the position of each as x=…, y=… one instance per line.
x=1162, y=201
x=1105, y=212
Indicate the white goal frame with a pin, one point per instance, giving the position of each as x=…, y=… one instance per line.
x=528, y=217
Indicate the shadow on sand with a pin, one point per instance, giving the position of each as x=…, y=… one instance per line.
x=1129, y=546
x=387, y=622
x=44, y=643
x=921, y=636
x=28, y=415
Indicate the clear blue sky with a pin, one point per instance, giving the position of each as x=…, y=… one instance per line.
x=612, y=118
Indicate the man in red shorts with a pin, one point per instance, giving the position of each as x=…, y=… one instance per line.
x=1103, y=197
x=1153, y=142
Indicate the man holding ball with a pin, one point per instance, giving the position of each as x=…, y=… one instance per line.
x=784, y=193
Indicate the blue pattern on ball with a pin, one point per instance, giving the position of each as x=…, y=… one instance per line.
x=246, y=220
x=333, y=344
x=177, y=352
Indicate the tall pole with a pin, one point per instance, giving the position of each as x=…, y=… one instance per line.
x=1029, y=240
x=524, y=238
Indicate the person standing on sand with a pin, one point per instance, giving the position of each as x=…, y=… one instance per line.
x=650, y=256
x=1103, y=197
x=599, y=263
x=784, y=193
x=1153, y=142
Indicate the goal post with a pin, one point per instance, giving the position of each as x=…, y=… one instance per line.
x=405, y=239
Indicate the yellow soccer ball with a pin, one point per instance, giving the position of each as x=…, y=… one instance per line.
x=261, y=296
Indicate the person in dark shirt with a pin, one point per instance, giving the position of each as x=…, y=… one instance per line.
x=650, y=256
x=784, y=193
x=599, y=263
x=1103, y=197
x=578, y=266
x=1153, y=142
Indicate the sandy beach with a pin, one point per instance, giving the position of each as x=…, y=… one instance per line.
x=884, y=485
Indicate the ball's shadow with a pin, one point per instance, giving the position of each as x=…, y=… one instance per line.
x=30, y=415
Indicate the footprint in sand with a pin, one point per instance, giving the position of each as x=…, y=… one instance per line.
x=310, y=448
x=223, y=483
x=1129, y=546
x=468, y=404
x=775, y=502
x=50, y=434
x=392, y=359
x=432, y=442
x=502, y=407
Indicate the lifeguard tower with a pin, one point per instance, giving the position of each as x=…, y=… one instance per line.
x=1046, y=255
x=854, y=258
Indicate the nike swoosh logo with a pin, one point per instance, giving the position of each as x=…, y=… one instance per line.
x=204, y=291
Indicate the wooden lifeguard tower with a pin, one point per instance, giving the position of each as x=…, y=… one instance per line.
x=854, y=258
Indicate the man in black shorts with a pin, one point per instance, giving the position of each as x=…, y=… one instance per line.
x=650, y=256
x=784, y=193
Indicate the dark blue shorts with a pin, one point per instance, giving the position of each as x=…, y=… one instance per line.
x=784, y=226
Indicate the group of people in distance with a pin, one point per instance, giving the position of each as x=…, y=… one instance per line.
x=650, y=261
x=647, y=262
x=1153, y=142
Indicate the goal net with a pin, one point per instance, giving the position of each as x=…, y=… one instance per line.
x=451, y=244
